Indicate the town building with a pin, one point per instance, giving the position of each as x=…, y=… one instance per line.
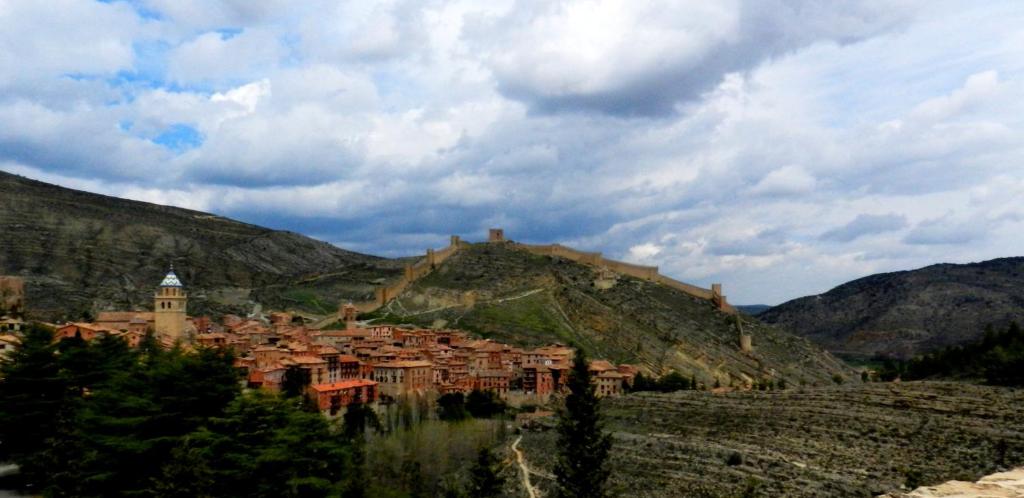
x=334, y=397
x=169, y=311
x=402, y=378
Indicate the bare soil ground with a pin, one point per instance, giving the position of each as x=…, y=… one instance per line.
x=846, y=441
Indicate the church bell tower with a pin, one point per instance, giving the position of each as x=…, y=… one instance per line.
x=169, y=307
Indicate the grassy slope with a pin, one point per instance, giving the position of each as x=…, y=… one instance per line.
x=532, y=300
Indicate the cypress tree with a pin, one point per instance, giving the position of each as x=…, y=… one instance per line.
x=484, y=479
x=581, y=469
x=358, y=417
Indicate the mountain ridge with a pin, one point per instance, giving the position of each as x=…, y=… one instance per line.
x=82, y=252
x=909, y=312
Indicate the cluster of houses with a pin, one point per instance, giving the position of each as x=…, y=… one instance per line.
x=371, y=363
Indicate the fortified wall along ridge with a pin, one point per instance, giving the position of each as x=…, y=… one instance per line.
x=434, y=258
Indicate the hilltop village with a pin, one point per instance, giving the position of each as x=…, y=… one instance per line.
x=376, y=364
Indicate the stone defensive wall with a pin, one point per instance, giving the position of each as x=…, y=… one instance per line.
x=414, y=272
x=434, y=258
x=385, y=293
x=649, y=273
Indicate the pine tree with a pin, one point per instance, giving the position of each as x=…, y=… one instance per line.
x=484, y=479
x=33, y=398
x=581, y=469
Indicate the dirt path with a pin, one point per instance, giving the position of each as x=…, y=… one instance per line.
x=523, y=468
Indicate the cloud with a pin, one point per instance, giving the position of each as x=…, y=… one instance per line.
x=776, y=147
x=785, y=180
x=866, y=224
x=645, y=58
x=949, y=230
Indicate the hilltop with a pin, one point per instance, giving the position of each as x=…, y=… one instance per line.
x=505, y=292
x=82, y=252
x=909, y=312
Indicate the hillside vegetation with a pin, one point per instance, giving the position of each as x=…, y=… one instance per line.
x=857, y=440
x=81, y=253
x=997, y=358
x=517, y=297
x=907, y=313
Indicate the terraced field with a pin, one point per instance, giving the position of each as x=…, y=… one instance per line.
x=847, y=441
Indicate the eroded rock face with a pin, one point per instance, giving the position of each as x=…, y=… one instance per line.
x=1001, y=485
x=910, y=312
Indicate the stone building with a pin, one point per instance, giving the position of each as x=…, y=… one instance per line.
x=169, y=308
x=399, y=378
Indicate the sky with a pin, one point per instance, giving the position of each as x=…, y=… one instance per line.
x=778, y=147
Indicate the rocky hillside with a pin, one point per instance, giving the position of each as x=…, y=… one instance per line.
x=909, y=312
x=517, y=297
x=81, y=253
x=857, y=440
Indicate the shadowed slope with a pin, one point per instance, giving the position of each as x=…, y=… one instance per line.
x=909, y=312
x=83, y=252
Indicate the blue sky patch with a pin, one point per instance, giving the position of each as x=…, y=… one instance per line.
x=179, y=138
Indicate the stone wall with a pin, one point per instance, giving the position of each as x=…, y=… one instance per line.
x=12, y=296
x=649, y=273
x=413, y=272
x=435, y=258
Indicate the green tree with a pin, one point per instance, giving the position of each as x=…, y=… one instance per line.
x=33, y=400
x=581, y=467
x=484, y=404
x=672, y=382
x=484, y=479
x=451, y=407
x=357, y=419
x=133, y=424
x=264, y=446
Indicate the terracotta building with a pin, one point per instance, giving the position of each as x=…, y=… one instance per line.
x=399, y=378
x=334, y=397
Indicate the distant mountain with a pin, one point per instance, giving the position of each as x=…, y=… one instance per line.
x=753, y=309
x=81, y=253
x=905, y=313
x=514, y=296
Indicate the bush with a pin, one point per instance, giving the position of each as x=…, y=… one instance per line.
x=735, y=459
x=452, y=407
x=484, y=404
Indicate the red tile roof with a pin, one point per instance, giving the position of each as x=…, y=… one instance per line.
x=344, y=384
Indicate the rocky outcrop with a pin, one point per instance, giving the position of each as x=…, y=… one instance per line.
x=1001, y=485
x=906, y=313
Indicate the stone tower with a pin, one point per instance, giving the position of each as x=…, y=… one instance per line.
x=746, y=340
x=349, y=314
x=169, y=307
